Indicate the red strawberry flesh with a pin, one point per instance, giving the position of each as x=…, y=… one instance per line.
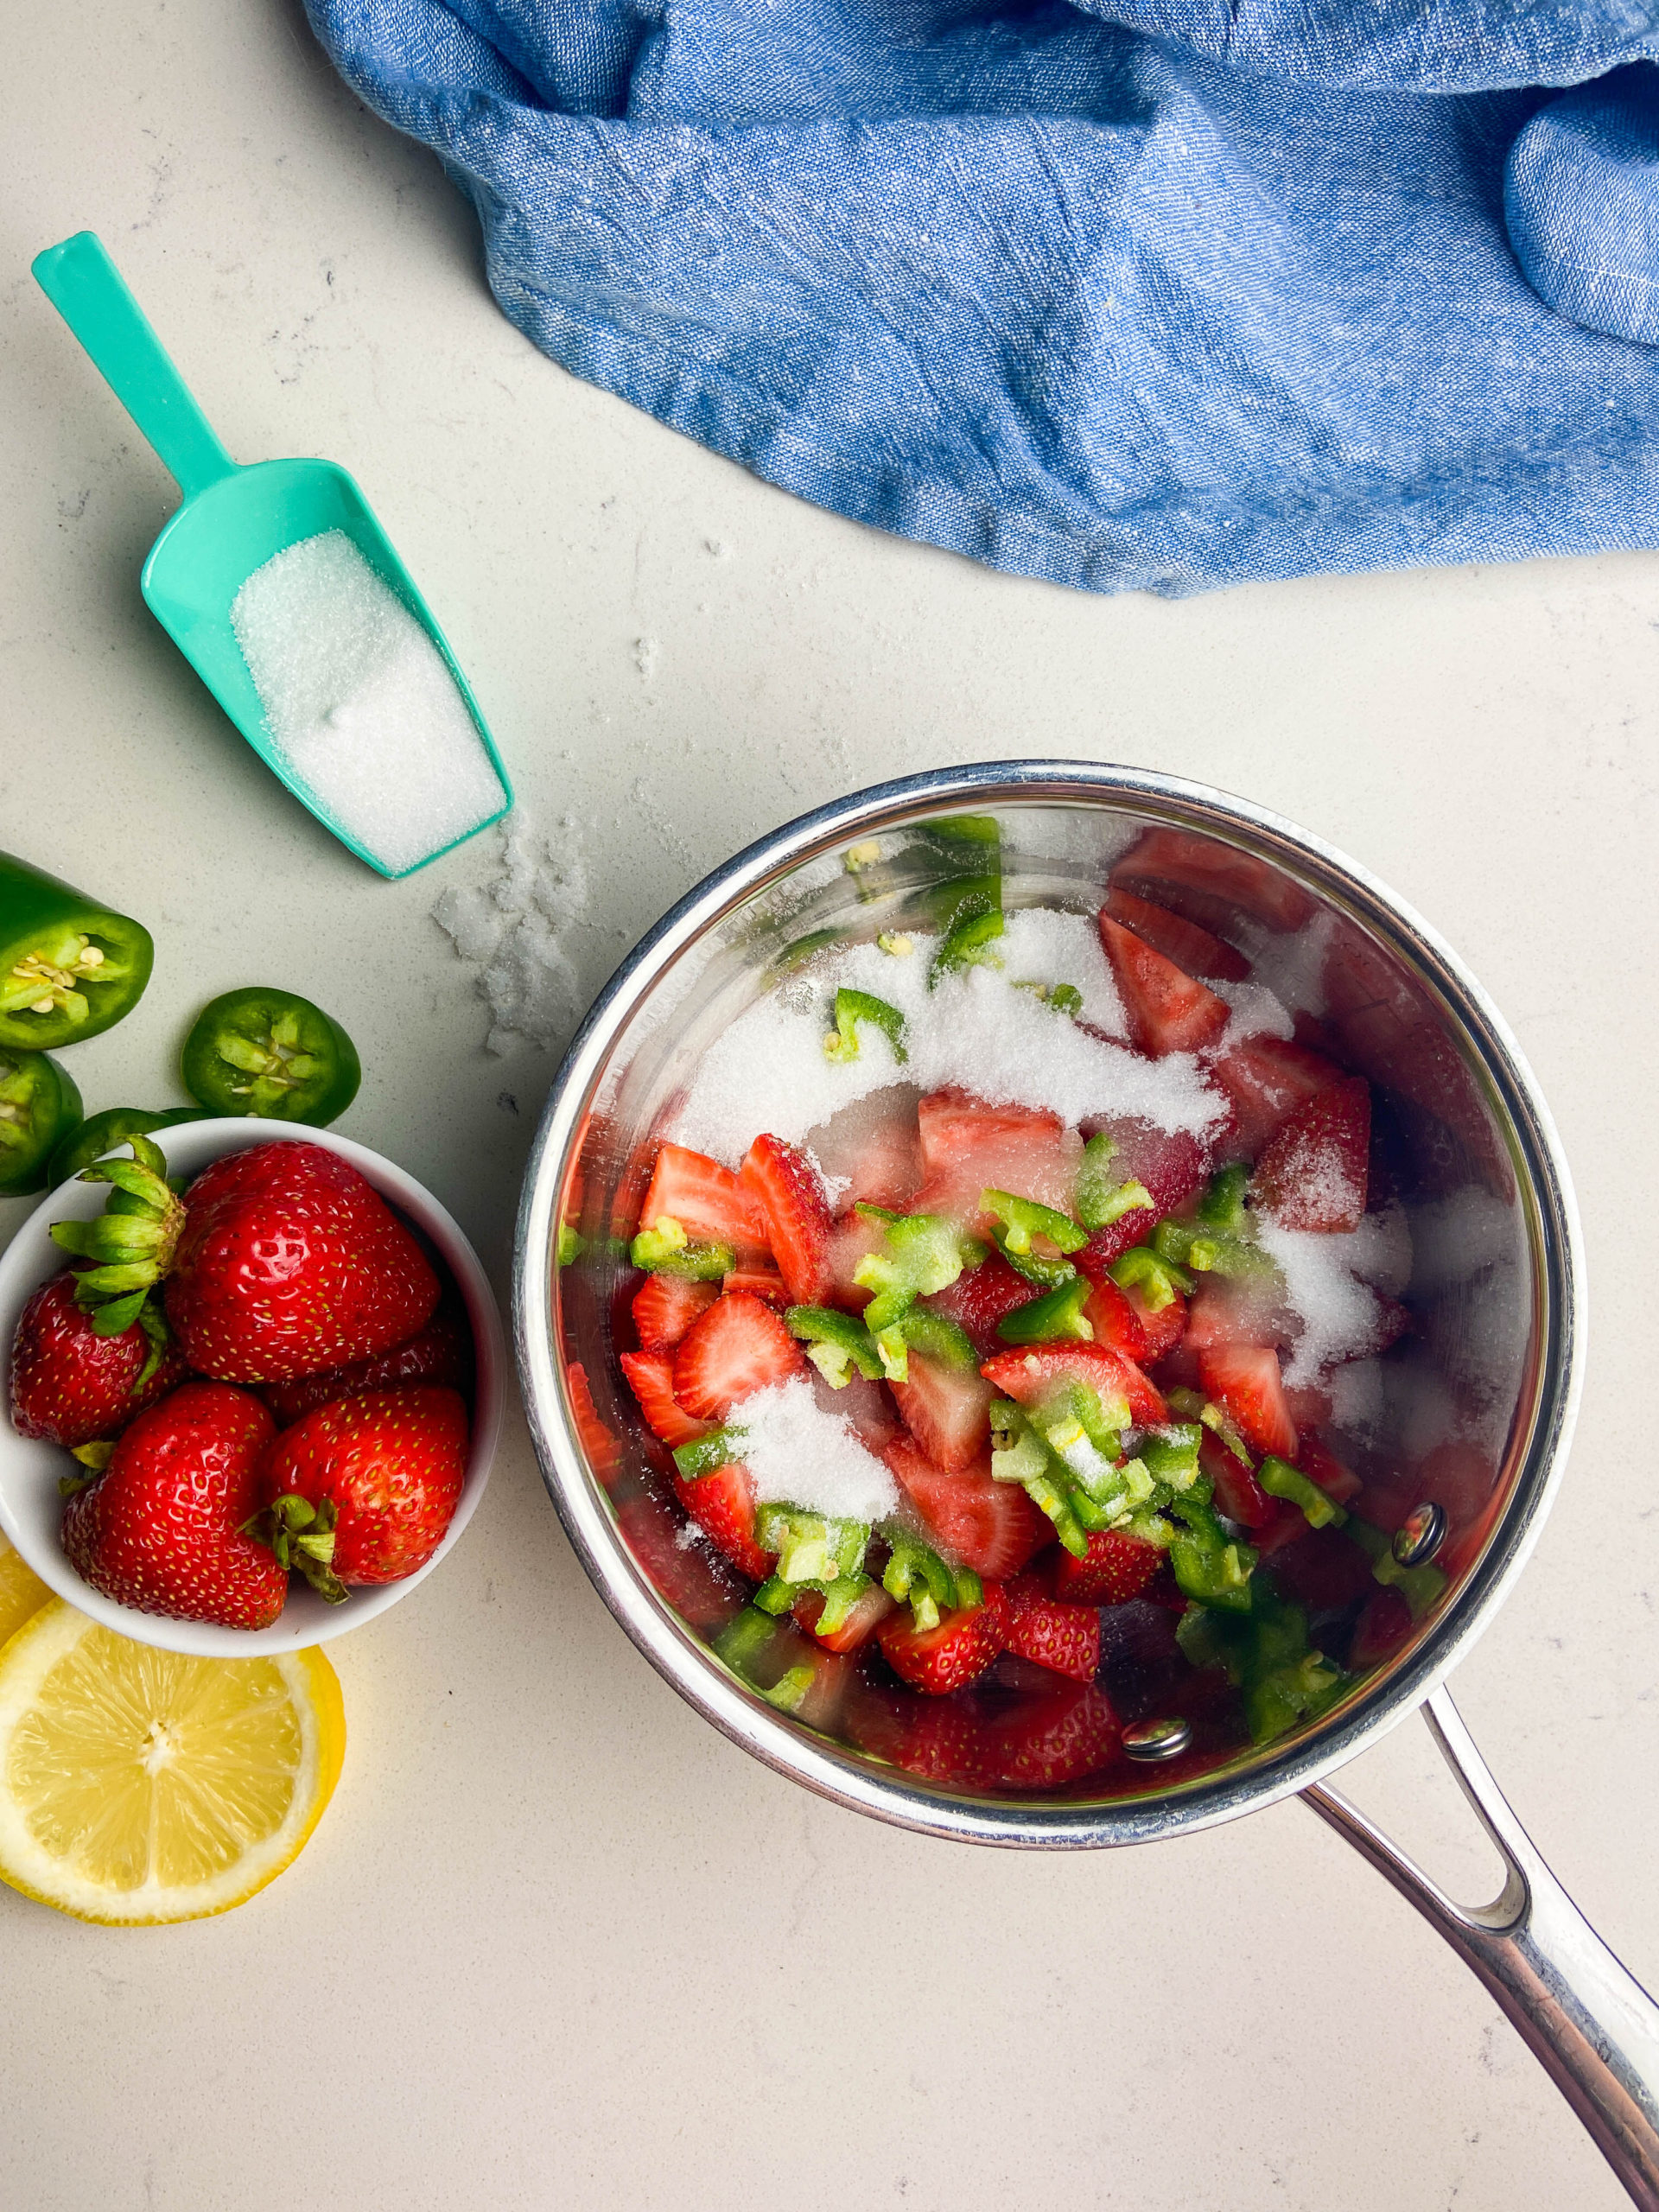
x=1168, y=1010
x=739, y=1346
x=991, y=1527
x=785, y=1185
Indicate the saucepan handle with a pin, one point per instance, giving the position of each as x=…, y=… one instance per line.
x=1589, y=2022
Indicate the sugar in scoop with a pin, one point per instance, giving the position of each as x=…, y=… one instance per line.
x=360, y=704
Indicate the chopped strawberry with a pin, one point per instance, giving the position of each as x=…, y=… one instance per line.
x=947, y=1411
x=854, y=1237
x=1168, y=1010
x=1116, y=1569
x=701, y=1589
x=865, y=1406
x=969, y=1146
x=1029, y=1376
x=598, y=1440
x=1242, y=1310
x=1186, y=943
x=1313, y=1174
x=739, y=1346
x=991, y=1527
x=1160, y=1331
x=944, y=1743
x=665, y=1308
x=1238, y=1493
x=1384, y=1625
x=936, y=1660
x=1321, y=1466
x=980, y=1298
x=722, y=1505
x=1268, y=1078
x=786, y=1186
x=1065, y=1638
x=1170, y=1164
x=866, y=1616
x=1116, y=1322
x=1322, y=1568
x=887, y=1169
x=1047, y=1741
x=760, y=1282
x=704, y=1198
x=651, y=1378
x=1217, y=881
x=1247, y=1380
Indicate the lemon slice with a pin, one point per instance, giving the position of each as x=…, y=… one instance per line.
x=22, y=1590
x=139, y=1786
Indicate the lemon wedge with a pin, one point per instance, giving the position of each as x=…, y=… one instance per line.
x=22, y=1590
x=139, y=1786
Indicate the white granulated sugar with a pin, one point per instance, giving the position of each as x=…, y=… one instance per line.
x=1357, y=1399
x=360, y=704
x=1041, y=944
x=1093, y=837
x=798, y=1455
x=1257, y=1012
x=1453, y=1239
x=513, y=927
x=975, y=1029
x=1331, y=1286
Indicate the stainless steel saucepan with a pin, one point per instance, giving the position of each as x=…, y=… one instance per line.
x=1478, y=1406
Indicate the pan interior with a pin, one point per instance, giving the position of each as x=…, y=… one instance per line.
x=1463, y=1412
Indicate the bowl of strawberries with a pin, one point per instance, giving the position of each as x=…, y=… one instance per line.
x=254, y=1379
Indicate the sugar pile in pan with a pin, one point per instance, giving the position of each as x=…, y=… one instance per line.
x=360, y=704
x=798, y=1454
x=982, y=1027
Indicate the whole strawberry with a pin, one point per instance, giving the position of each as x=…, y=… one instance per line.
x=381, y=1474
x=441, y=1352
x=289, y=1261
x=70, y=1384
x=161, y=1528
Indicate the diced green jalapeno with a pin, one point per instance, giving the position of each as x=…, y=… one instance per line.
x=1421, y=1586
x=1157, y=1279
x=1100, y=1198
x=572, y=1244
x=916, y=1575
x=665, y=1250
x=1024, y=1218
x=926, y=1253
x=968, y=942
x=1058, y=1314
x=1266, y=1653
x=836, y=1343
x=854, y=1007
x=706, y=1455
x=1204, y=1252
x=1279, y=1480
x=1170, y=1454
x=810, y=1547
x=1222, y=1207
x=937, y=1336
x=1209, y=1566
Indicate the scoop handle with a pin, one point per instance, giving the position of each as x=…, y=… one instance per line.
x=89, y=292
x=1585, y=2018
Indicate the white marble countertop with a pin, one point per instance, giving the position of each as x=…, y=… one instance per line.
x=557, y=1942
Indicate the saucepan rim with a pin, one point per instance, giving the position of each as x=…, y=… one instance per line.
x=1556, y=1265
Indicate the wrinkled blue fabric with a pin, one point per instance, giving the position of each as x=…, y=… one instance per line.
x=1128, y=294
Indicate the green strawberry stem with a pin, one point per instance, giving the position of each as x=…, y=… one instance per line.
x=94, y=1458
x=303, y=1536
x=131, y=1245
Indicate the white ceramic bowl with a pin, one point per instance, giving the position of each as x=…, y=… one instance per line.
x=30, y=1508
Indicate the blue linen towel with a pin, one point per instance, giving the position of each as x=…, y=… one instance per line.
x=1128, y=294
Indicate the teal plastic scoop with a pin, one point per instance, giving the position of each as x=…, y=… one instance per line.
x=233, y=520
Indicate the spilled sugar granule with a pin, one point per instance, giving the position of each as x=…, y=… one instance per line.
x=513, y=929
x=360, y=704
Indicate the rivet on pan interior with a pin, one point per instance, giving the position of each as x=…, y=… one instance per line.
x=1421, y=1534
x=1164, y=1738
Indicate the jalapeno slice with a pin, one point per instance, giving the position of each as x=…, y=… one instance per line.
x=39, y=1106
x=264, y=1050
x=108, y=1132
x=68, y=967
